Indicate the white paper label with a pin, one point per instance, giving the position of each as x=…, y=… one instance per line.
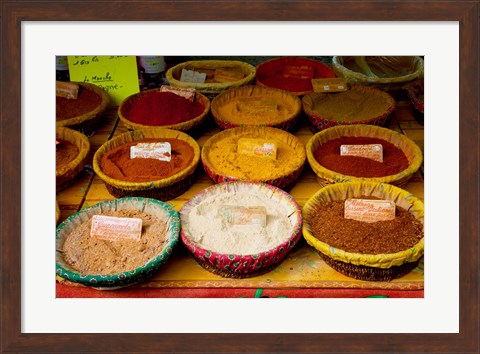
x=369, y=210
x=369, y=151
x=114, y=229
x=240, y=215
x=193, y=76
x=185, y=92
x=158, y=151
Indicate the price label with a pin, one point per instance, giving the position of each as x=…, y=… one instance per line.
x=369, y=210
x=188, y=93
x=329, y=85
x=369, y=151
x=257, y=147
x=193, y=76
x=240, y=215
x=158, y=151
x=115, y=229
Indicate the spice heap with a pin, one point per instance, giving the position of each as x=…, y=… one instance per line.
x=330, y=226
x=86, y=101
x=214, y=232
x=328, y=155
x=117, y=163
x=161, y=108
x=256, y=110
x=90, y=255
x=224, y=157
x=66, y=152
x=351, y=105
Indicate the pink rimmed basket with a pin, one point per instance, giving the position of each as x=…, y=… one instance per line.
x=235, y=265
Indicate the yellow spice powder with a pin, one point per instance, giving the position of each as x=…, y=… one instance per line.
x=224, y=158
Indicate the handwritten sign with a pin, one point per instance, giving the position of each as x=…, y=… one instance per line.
x=158, y=151
x=115, y=229
x=369, y=151
x=369, y=210
x=240, y=215
x=257, y=147
x=115, y=74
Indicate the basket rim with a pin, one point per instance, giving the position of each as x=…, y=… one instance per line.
x=82, y=154
x=410, y=88
x=183, y=126
x=333, y=176
x=249, y=129
x=188, y=241
x=88, y=115
x=311, y=114
x=133, y=136
x=384, y=260
x=214, y=87
x=364, y=78
x=254, y=90
x=94, y=279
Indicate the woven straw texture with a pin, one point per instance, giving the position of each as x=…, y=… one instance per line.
x=242, y=266
x=280, y=181
x=321, y=121
x=326, y=176
x=57, y=213
x=72, y=169
x=89, y=120
x=173, y=74
x=384, y=83
x=274, y=67
x=262, y=93
x=183, y=126
x=163, y=189
x=114, y=281
x=345, y=191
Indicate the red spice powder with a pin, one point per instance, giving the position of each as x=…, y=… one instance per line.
x=161, y=108
x=328, y=155
x=86, y=101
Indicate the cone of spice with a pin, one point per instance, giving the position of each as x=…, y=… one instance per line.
x=155, y=108
x=71, y=149
x=401, y=157
x=357, y=105
x=381, y=250
x=149, y=175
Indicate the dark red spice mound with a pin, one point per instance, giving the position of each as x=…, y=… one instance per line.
x=161, y=108
x=86, y=101
x=328, y=155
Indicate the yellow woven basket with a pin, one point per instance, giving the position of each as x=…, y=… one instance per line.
x=385, y=266
x=183, y=126
x=281, y=180
x=174, y=73
x=261, y=93
x=344, y=67
x=89, y=120
x=57, y=213
x=326, y=176
x=163, y=189
x=68, y=172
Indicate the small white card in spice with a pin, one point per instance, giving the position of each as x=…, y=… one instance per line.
x=115, y=229
x=158, y=151
x=185, y=92
x=257, y=147
x=193, y=76
x=241, y=215
x=369, y=210
x=369, y=151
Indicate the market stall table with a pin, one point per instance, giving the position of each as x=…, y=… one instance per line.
x=302, y=274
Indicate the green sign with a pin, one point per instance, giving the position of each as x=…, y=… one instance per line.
x=115, y=74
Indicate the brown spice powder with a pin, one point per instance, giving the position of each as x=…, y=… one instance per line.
x=330, y=226
x=65, y=153
x=86, y=101
x=89, y=255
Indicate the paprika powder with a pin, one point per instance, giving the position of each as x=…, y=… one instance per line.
x=328, y=155
x=161, y=108
x=117, y=164
x=86, y=101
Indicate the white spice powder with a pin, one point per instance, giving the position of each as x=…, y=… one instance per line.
x=212, y=232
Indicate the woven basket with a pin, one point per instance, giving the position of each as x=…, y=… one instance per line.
x=281, y=181
x=163, y=189
x=279, y=96
x=274, y=68
x=373, y=267
x=321, y=121
x=57, y=213
x=340, y=66
x=415, y=94
x=326, y=176
x=90, y=120
x=126, y=278
x=174, y=73
x=183, y=126
x=69, y=171
x=241, y=266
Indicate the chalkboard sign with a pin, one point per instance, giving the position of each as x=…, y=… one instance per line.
x=116, y=74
